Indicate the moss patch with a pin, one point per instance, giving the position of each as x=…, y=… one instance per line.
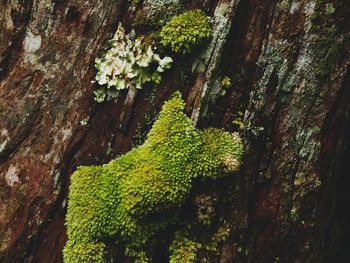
x=186, y=31
x=138, y=195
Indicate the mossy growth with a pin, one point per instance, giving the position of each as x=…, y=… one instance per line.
x=186, y=31
x=136, y=196
x=325, y=47
x=197, y=244
x=183, y=250
x=226, y=82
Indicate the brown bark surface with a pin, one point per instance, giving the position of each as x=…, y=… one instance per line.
x=289, y=66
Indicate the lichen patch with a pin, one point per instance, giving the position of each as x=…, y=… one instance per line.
x=32, y=42
x=11, y=175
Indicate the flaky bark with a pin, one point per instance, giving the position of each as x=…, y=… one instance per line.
x=289, y=66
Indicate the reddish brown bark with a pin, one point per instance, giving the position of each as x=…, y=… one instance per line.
x=289, y=65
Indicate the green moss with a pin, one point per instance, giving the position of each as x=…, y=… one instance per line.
x=186, y=31
x=117, y=200
x=217, y=238
x=198, y=244
x=183, y=250
x=134, y=2
x=330, y=9
x=226, y=82
x=326, y=49
x=84, y=252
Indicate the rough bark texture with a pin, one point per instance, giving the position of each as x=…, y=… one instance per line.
x=289, y=65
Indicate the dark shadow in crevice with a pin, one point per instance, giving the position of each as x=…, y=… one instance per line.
x=336, y=246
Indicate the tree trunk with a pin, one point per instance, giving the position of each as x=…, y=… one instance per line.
x=288, y=62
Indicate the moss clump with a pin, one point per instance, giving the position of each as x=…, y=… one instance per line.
x=226, y=82
x=85, y=252
x=188, y=246
x=186, y=31
x=136, y=196
x=183, y=250
x=221, y=235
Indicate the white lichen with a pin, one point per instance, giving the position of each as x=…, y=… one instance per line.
x=156, y=6
x=84, y=122
x=32, y=42
x=294, y=7
x=8, y=20
x=11, y=175
x=309, y=10
x=66, y=133
x=159, y=4
x=32, y=45
x=127, y=64
x=3, y=145
x=4, y=139
x=56, y=175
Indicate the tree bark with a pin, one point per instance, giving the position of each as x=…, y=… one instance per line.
x=289, y=66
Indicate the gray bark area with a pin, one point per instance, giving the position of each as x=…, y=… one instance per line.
x=289, y=66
